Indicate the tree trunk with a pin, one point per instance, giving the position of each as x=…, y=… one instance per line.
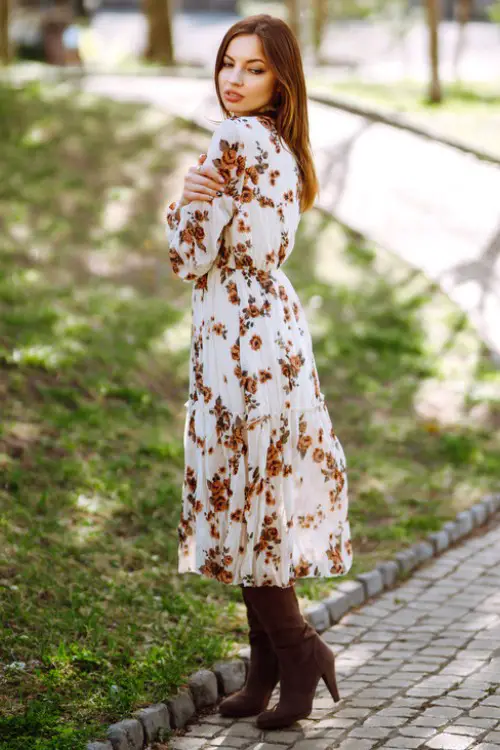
x=435, y=95
x=320, y=19
x=5, y=49
x=80, y=9
x=463, y=9
x=293, y=17
x=160, y=46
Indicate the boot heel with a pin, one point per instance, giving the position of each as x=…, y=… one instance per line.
x=331, y=683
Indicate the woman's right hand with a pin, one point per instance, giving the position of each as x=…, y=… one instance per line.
x=202, y=185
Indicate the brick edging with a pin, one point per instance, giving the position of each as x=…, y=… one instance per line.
x=207, y=686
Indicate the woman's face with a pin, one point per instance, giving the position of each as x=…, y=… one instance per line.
x=246, y=72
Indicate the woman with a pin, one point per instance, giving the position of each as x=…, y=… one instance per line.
x=265, y=488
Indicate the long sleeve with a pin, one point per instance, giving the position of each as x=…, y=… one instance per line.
x=194, y=231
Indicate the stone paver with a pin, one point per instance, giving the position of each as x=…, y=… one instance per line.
x=409, y=677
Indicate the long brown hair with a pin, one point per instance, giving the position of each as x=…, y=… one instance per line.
x=289, y=103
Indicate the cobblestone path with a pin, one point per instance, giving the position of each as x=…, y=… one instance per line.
x=418, y=667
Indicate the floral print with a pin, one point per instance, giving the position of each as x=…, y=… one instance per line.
x=264, y=497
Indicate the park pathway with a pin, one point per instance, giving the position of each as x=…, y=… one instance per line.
x=418, y=667
x=434, y=206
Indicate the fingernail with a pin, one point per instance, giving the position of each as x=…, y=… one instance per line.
x=219, y=193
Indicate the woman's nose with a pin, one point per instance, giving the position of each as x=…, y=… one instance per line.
x=235, y=76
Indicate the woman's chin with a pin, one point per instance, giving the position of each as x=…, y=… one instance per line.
x=238, y=110
x=245, y=111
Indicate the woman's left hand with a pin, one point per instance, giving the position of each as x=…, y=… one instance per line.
x=202, y=183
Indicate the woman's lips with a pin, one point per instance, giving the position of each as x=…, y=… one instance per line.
x=232, y=97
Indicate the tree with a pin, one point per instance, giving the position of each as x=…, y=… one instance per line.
x=5, y=48
x=463, y=11
x=435, y=95
x=293, y=17
x=320, y=18
x=160, y=46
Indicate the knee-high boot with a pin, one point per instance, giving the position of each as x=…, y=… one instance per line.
x=263, y=671
x=304, y=658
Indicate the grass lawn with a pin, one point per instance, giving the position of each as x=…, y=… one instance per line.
x=94, y=344
x=469, y=112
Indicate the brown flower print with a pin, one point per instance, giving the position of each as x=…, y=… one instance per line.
x=264, y=492
x=255, y=342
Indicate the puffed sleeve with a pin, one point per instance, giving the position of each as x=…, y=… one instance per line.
x=194, y=231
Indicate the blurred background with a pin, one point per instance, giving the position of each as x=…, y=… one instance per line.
x=376, y=39
x=104, y=105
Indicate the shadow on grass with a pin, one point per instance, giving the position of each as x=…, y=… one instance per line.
x=94, y=345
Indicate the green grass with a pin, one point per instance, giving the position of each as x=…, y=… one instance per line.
x=94, y=345
x=469, y=112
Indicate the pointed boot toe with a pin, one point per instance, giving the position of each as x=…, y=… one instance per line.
x=301, y=669
x=245, y=703
x=262, y=678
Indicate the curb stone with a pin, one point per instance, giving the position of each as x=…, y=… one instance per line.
x=479, y=514
x=181, y=708
x=407, y=560
x=423, y=551
x=465, y=521
x=203, y=691
x=389, y=570
x=230, y=675
x=126, y=735
x=155, y=721
x=204, y=688
x=337, y=605
x=372, y=581
x=439, y=540
x=355, y=592
x=453, y=530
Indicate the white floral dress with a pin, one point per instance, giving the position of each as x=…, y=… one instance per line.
x=264, y=497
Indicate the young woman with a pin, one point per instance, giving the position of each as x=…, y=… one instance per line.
x=265, y=488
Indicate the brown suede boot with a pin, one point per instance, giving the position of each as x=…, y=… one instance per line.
x=263, y=671
x=304, y=658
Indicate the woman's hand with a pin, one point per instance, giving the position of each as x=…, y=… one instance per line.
x=201, y=184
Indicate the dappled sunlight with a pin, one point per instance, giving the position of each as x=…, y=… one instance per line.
x=20, y=232
x=94, y=374
x=25, y=432
x=41, y=253
x=175, y=338
x=114, y=262
x=92, y=504
x=117, y=209
x=47, y=356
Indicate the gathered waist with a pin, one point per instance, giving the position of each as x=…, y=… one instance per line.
x=274, y=273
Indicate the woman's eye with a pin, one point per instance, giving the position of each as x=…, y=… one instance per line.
x=252, y=70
